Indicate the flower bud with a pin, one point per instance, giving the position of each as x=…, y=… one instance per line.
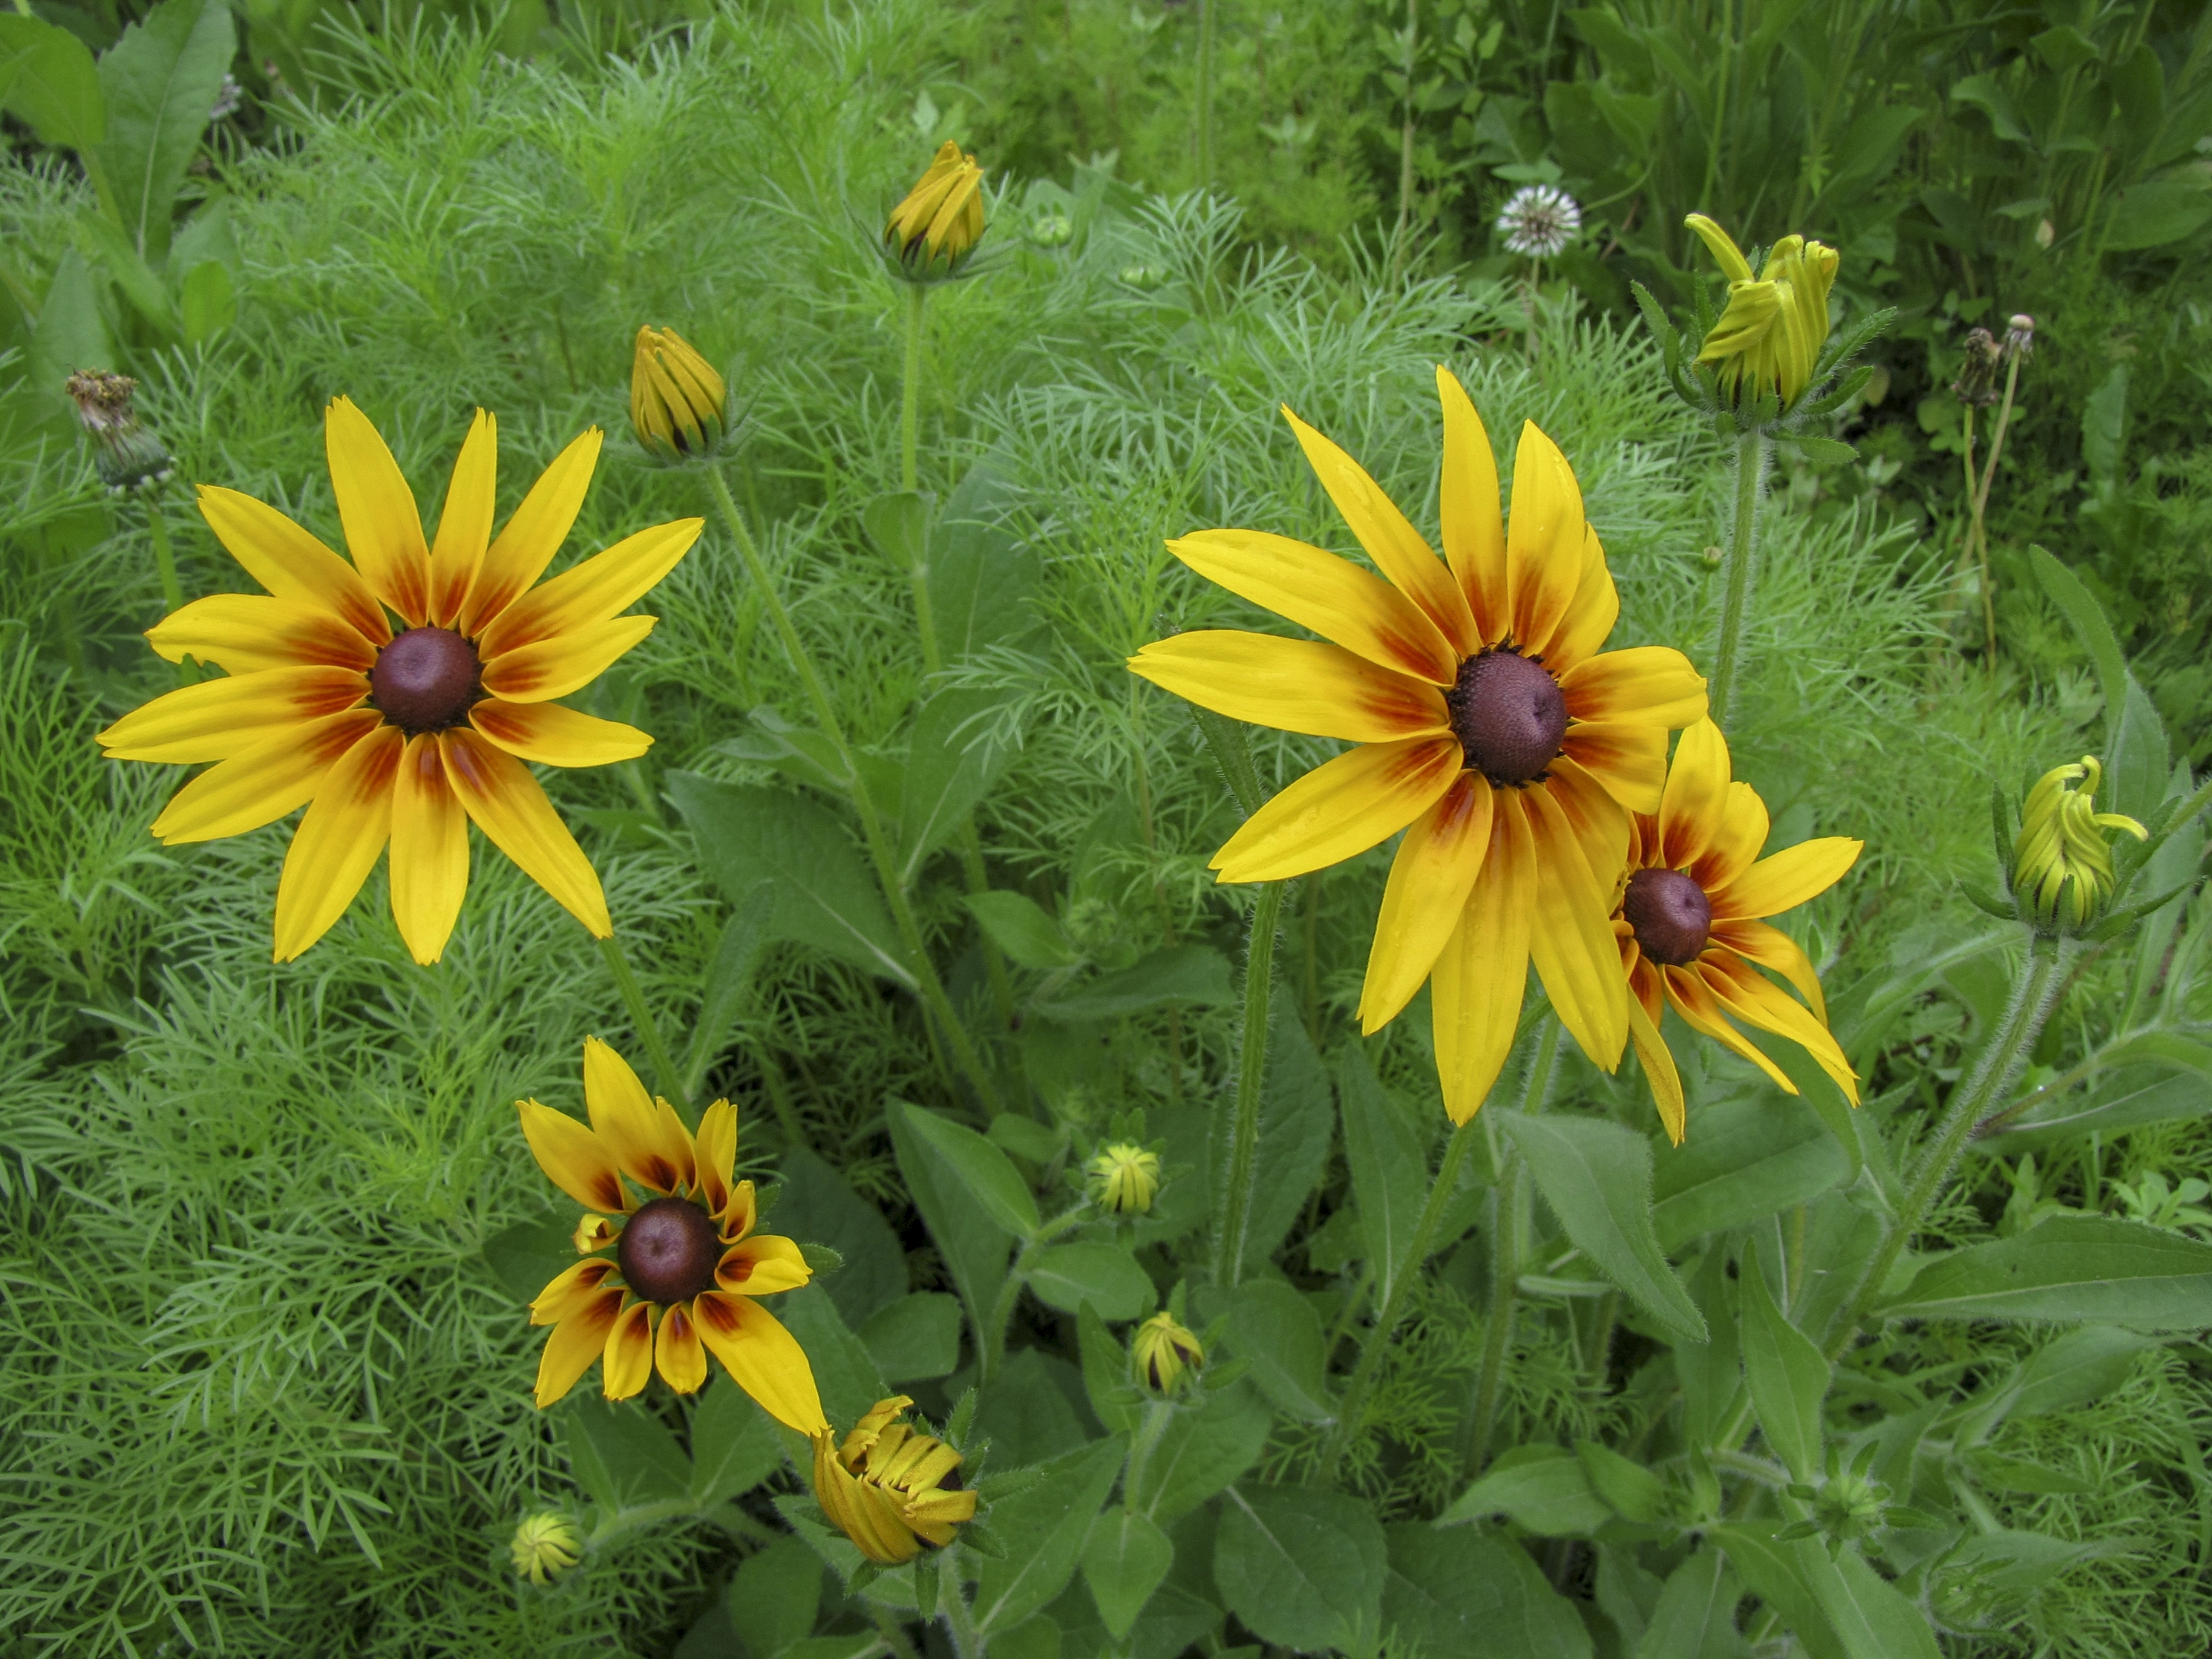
x=677, y=400
x=936, y=227
x=1774, y=326
x=1163, y=1352
x=544, y=1547
x=1124, y=1179
x=891, y=1489
x=1051, y=228
x=2019, y=335
x=1143, y=278
x=2062, y=858
x=126, y=453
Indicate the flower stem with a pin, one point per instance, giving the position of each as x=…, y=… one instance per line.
x=892, y=1633
x=165, y=556
x=917, y=296
x=1505, y=1260
x=1205, y=21
x=932, y=988
x=1754, y=453
x=968, y=1642
x=1980, y=530
x=663, y=1068
x=1251, y=1072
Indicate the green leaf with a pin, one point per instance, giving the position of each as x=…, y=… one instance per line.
x=1390, y=1168
x=988, y=1173
x=1276, y=1331
x=844, y=1371
x=160, y=82
x=1202, y=1450
x=1024, y=1137
x=529, y=1255
x=1696, y=1615
x=1826, y=452
x=1788, y=1375
x=624, y=1454
x=774, y=1597
x=1771, y=1572
x=982, y=579
x=1475, y=1598
x=734, y=1445
x=148, y=294
x=974, y=1246
x=824, y=894
x=914, y=1338
x=951, y=763
x=1067, y=1276
x=51, y=83
x=1051, y=1520
x=1106, y=1382
x=815, y=1204
x=1870, y=1616
x=729, y=975
x=1596, y=1176
x=1305, y=1569
x=1021, y=927
x=2136, y=761
x=1544, y=1489
x=1747, y=1158
x=1193, y=974
x=1030, y=1412
x=1710, y=1377
x=898, y=523
x=1629, y=1489
x=2070, y=1268
x=1123, y=1564
x=2079, y=1366
x=1297, y=1120
x=71, y=333
x=209, y=303
x=2158, y=212
x=2083, y=612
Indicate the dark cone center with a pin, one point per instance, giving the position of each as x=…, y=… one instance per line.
x=426, y=679
x=1509, y=715
x=1671, y=915
x=669, y=1250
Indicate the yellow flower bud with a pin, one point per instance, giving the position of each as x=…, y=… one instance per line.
x=937, y=226
x=677, y=400
x=1124, y=1178
x=2062, y=860
x=1162, y=1352
x=886, y=1488
x=544, y=1547
x=1774, y=325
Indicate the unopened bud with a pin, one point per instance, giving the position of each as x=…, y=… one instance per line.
x=1163, y=1353
x=2019, y=335
x=1052, y=228
x=2062, y=858
x=544, y=1547
x=1124, y=1179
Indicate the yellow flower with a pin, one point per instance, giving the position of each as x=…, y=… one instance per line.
x=885, y=1486
x=1161, y=1351
x=544, y=1547
x=1493, y=731
x=402, y=736
x=1689, y=922
x=685, y=1263
x=1773, y=328
x=2062, y=861
x=1124, y=1178
x=676, y=398
x=941, y=219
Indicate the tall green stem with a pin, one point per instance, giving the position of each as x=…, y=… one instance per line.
x=917, y=297
x=1505, y=1260
x=932, y=988
x=1205, y=21
x=663, y=1068
x=165, y=556
x=1980, y=528
x=1754, y=452
x=1251, y=1072
x=968, y=1642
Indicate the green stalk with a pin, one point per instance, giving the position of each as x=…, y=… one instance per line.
x=1981, y=529
x=1205, y=19
x=1251, y=1070
x=1505, y=1260
x=932, y=988
x=1754, y=453
x=917, y=296
x=165, y=564
x=663, y=1068
x=968, y=1642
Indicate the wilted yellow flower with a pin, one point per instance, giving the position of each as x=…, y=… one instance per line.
x=887, y=1486
x=126, y=453
x=1124, y=1178
x=1774, y=325
x=941, y=219
x=1163, y=1351
x=544, y=1547
x=676, y=398
x=2062, y=861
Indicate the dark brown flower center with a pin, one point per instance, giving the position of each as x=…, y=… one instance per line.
x=669, y=1249
x=1509, y=715
x=426, y=679
x=1671, y=915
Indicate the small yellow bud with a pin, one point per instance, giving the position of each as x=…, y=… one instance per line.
x=890, y=1489
x=1163, y=1351
x=1774, y=325
x=937, y=226
x=2062, y=858
x=595, y=1232
x=1125, y=1178
x=677, y=400
x=544, y=1547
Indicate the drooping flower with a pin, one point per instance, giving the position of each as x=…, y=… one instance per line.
x=1492, y=730
x=406, y=735
x=1539, y=221
x=886, y=1488
x=1690, y=922
x=667, y=1279
x=126, y=453
x=2062, y=858
x=1976, y=385
x=544, y=1547
x=1163, y=1351
x=936, y=227
x=1124, y=1179
x=677, y=400
x=1774, y=326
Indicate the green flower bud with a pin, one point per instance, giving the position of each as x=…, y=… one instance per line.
x=2061, y=858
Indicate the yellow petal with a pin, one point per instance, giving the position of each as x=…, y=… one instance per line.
x=217, y=718
x=1735, y=847
x=554, y=736
x=1646, y=684
x=430, y=851
x=533, y=535
x=1756, y=1000
x=337, y=842
x=1693, y=999
x=1583, y=632
x=1292, y=685
x=626, y=1363
x=762, y=1266
x=1431, y=877
x=243, y=632
x=1543, y=540
x=740, y=1213
x=1599, y=826
x=576, y=1341
x=1474, y=528
x=1482, y=972
x=383, y=531
x=573, y=1288
x=594, y=590
x=762, y=1358
x=508, y=807
x=1696, y=798
x=1770, y=947
x=1628, y=762
x=1659, y=1071
x=1340, y=809
x=1332, y=597
x=566, y=663
x=1787, y=879
x=465, y=525
x=1722, y=246
x=260, y=784
x=714, y=1156
x=290, y=562
x=678, y=1353
x=574, y=1159
x=1571, y=941
x=647, y=1138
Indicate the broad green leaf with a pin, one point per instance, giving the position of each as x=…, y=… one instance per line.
x=1302, y=1568
x=898, y=523
x=1106, y=1379
x=774, y=1596
x=893, y=1588
x=1046, y=1524
x=1297, y=1122
x=2158, y=212
x=1770, y=1571
x=2070, y=1268
x=1123, y=1564
x=1632, y=1491
x=1788, y=1375
x=1065, y=1276
x=160, y=82
x=1626, y=1592
x=734, y=1445
x=982, y=579
x=51, y=83
x=1390, y=1168
x=637, y=1459
x=1276, y=1331
x=1747, y=1158
x=988, y=1175
x=1544, y=1489
x=209, y=302
x=148, y=294
x=2135, y=760
x=2079, y=1366
x=1027, y=1412
x=71, y=332
x=815, y=1205
x=1194, y=974
x=2074, y=600
x=729, y=976
x=951, y=763
x=974, y=1246
x=1710, y=1377
x=529, y=1255
x=844, y=1371
x=1870, y=1616
x=914, y=1338
x=1475, y=1598
x=1024, y=1137
x=1020, y=926
x=1203, y=1449
x=1596, y=1176
x=1696, y=1615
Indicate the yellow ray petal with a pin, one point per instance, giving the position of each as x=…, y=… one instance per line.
x=576, y=1341
x=1628, y=762
x=243, y=632
x=626, y=1362
x=1601, y=827
x=1571, y=938
x=1583, y=632
x=762, y=1358
x=1787, y=879
x=465, y=525
x=1756, y=1000
x=1332, y=597
x=1474, y=528
x=1770, y=947
x=383, y=531
x=217, y=718
x=430, y=851
x=259, y=785
x=337, y=842
x=740, y=1213
x=566, y=663
x=1659, y=1071
x=573, y=1288
x=714, y=1155
x=1292, y=685
x=1431, y=877
x=1482, y=972
x=1397, y=549
x=1340, y=809
x=1723, y=247
x=1735, y=846
x=1543, y=538
x=508, y=807
x=645, y=1135
x=1693, y=999
x=1696, y=797
x=290, y=562
x=594, y=590
x=1644, y=686
x=554, y=736
x=533, y=535
x=762, y=1266
x=574, y=1159
x=678, y=1353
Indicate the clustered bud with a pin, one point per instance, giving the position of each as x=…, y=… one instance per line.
x=544, y=1547
x=1164, y=1353
x=126, y=453
x=891, y=1488
x=936, y=227
x=2062, y=858
x=677, y=400
x=1124, y=1179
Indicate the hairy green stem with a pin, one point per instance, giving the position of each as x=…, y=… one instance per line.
x=1251, y=1072
x=663, y=1068
x=1754, y=453
x=894, y=1633
x=1980, y=530
x=968, y=1642
x=1505, y=1260
x=917, y=297
x=991, y=1348
x=165, y=556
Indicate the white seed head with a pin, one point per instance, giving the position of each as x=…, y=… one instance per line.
x=1539, y=221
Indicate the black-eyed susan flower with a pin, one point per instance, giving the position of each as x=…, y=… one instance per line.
x=126, y=454
x=1163, y=1352
x=1774, y=326
x=891, y=1488
x=396, y=697
x=1124, y=1179
x=544, y=1547
x=1690, y=922
x=1492, y=729
x=934, y=229
x=670, y=1278
x=2061, y=858
x=677, y=400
